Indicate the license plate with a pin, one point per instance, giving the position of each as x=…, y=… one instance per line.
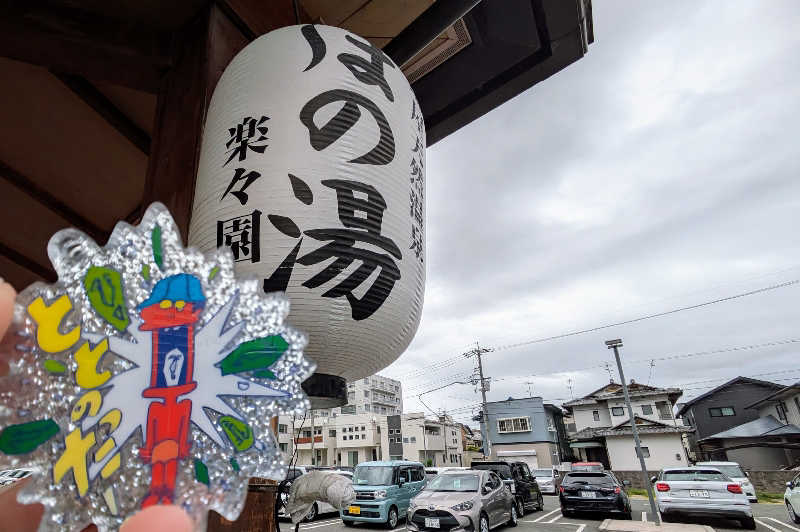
x=354, y=510
x=698, y=493
x=431, y=522
x=588, y=495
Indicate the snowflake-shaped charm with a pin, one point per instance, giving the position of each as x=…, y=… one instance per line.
x=148, y=374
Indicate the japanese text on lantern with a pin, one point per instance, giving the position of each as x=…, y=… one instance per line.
x=417, y=190
x=242, y=233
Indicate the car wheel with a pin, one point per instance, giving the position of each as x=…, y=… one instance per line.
x=520, y=507
x=348, y=522
x=566, y=513
x=666, y=518
x=513, y=520
x=627, y=516
x=541, y=502
x=748, y=523
x=790, y=509
x=310, y=516
x=391, y=520
x=484, y=523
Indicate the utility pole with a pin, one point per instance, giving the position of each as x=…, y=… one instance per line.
x=477, y=352
x=615, y=345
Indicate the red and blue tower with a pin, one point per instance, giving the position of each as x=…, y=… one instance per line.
x=171, y=313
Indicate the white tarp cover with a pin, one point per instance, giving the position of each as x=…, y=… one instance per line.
x=334, y=489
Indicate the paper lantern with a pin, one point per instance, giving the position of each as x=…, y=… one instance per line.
x=312, y=171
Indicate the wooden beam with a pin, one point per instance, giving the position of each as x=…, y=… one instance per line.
x=46, y=273
x=54, y=204
x=106, y=108
x=204, y=48
x=76, y=42
x=258, y=17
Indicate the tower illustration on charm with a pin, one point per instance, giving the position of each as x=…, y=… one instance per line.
x=171, y=312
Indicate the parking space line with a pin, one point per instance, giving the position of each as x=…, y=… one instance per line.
x=762, y=523
x=319, y=524
x=542, y=516
x=580, y=528
x=644, y=517
x=782, y=523
x=556, y=518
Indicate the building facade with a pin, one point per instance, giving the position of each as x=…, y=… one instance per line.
x=604, y=433
x=524, y=429
x=372, y=395
x=724, y=407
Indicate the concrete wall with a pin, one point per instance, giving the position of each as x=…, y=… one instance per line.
x=666, y=450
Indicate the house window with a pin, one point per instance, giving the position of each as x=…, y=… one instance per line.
x=362, y=427
x=284, y=447
x=596, y=415
x=405, y=440
x=617, y=411
x=647, y=410
x=366, y=393
x=781, y=407
x=356, y=436
x=646, y=452
x=513, y=424
x=664, y=410
x=283, y=428
x=332, y=433
x=413, y=439
x=721, y=411
x=306, y=433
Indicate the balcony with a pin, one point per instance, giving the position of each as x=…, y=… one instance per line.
x=299, y=441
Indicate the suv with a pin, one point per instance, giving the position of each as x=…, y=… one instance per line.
x=520, y=482
x=383, y=491
x=734, y=470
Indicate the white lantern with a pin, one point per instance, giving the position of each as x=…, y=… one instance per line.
x=312, y=172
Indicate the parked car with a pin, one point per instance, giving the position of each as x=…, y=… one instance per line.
x=383, y=491
x=463, y=499
x=520, y=481
x=734, y=470
x=701, y=491
x=10, y=476
x=588, y=466
x=791, y=498
x=320, y=507
x=547, y=479
x=431, y=472
x=593, y=492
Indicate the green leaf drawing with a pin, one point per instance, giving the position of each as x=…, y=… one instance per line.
x=201, y=472
x=104, y=289
x=258, y=354
x=26, y=437
x=238, y=432
x=146, y=272
x=235, y=465
x=214, y=272
x=158, y=256
x=54, y=366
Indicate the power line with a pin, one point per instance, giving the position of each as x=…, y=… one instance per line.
x=648, y=316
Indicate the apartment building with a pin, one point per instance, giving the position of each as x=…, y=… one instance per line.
x=434, y=442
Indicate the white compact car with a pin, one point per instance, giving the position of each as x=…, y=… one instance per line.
x=319, y=507
x=734, y=470
x=10, y=476
x=701, y=491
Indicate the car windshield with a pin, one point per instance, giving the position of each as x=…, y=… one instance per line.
x=587, y=467
x=542, y=473
x=460, y=482
x=700, y=475
x=502, y=470
x=594, y=479
x=373, y=475
x=733, y=471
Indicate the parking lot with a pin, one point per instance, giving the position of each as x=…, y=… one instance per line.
x=769, y=518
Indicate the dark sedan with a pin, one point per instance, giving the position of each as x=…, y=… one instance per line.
x=593, y=492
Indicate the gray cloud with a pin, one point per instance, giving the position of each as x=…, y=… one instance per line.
x=658, y=171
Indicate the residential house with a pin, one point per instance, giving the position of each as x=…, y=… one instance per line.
x=723, y=408
x=763, y=444
x=604, y=432
x=344, y=440
x=524, y=429
x=435, y=442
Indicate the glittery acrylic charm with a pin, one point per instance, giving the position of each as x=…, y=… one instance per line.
x=148, y=374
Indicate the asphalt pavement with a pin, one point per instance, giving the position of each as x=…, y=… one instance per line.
x=769, y=518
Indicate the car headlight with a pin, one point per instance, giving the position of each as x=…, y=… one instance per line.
x=412, y=504
x=462, y=506
x=380, y=494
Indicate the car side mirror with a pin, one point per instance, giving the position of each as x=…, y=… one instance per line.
x=487, y=489
x=747, y=474
x=790, y=484
x=626, y=483
x=653, y=480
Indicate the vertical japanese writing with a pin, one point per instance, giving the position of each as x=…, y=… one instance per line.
x=241, y=233
x=417, y=188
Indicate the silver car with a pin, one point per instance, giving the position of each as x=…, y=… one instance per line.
x=701, y=492
x=462, y=500
x=734, y=470
x=547, y=479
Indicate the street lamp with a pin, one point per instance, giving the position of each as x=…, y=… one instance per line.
x=615, y=345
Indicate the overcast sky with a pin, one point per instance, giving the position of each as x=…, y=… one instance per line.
x=660, y=170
